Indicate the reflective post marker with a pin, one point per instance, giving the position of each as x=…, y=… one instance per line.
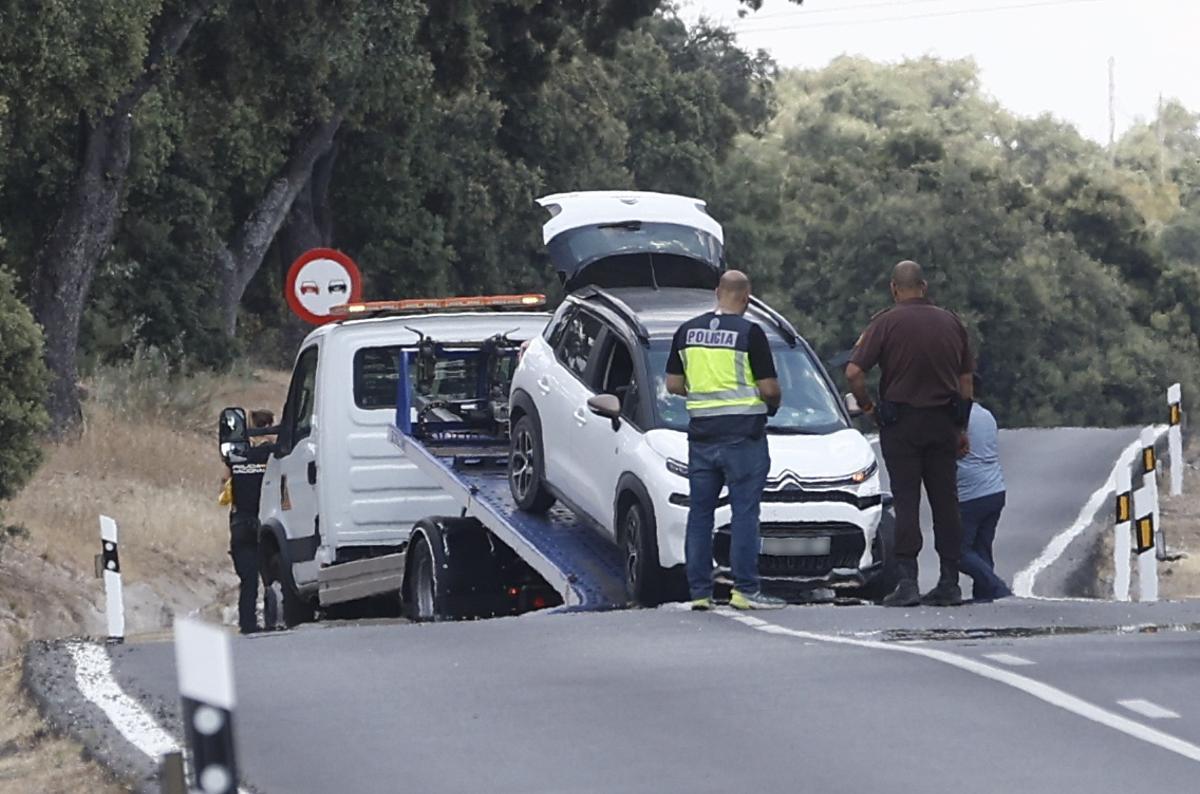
x=1175, y=437
x=1150, y=488
x=1144, y=501
x=205, y=665
x=1122, y=536
x=114, y=603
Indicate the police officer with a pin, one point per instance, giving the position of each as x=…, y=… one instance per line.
x=925, y=391
x=721, y=362
x=246, y=468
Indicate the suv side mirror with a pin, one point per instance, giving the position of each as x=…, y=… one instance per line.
x=608, y=406
x=852, y=406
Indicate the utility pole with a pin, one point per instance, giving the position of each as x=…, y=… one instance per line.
x=1112, y=107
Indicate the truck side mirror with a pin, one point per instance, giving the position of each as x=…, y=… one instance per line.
x=852, y=406
x=232, y=427
x=608, y=406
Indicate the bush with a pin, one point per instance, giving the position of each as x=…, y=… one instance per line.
x=22, y=391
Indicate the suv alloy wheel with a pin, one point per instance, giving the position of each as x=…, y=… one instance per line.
x=526, y=470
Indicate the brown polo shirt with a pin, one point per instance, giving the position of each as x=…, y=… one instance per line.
x=921, y=350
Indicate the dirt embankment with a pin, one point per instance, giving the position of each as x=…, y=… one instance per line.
x=148, y=458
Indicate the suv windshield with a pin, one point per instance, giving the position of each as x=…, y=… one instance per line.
x=809, y=407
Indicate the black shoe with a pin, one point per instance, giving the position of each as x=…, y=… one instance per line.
x=906, y=594
x=946, y=594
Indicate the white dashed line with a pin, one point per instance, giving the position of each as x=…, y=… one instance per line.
x=1012, y=660
x=1043, y=692
x=1148, y=709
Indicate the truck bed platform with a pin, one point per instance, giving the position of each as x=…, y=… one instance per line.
x=585, y=568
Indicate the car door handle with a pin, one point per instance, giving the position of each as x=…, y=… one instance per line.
x=543, y=383
x=581, y=416
x=312, y=472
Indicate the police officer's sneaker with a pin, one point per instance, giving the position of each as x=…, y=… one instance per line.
x=702, y=604
x=906, y=594
x=946, y=594
x=759, y=600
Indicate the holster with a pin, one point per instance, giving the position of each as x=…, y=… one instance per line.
x=887, y=413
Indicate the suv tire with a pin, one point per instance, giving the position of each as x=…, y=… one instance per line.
x=645, y=582
x=527, y=469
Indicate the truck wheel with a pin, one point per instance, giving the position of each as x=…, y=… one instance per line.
x=422, y=602
x=643, y=576
x=296, y=609
x=527, y=469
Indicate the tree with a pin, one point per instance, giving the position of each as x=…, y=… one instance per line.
x=22, y=391
x=92, y=87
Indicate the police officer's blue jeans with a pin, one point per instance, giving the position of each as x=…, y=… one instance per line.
x=743, y=466
x=979, y=518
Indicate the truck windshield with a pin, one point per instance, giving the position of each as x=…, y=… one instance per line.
x=376, y=373
x=809, y=407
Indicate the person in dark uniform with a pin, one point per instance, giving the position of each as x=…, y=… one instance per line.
x=246, y=468
x=925, y=391
x=721, y=362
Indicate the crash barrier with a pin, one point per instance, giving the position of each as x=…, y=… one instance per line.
x=205, y=667
x=1137, y=526
x=1175, y=437
x=108, y=564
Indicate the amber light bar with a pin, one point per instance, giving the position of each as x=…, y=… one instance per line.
x=529, y=300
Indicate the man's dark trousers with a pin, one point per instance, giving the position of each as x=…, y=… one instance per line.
x=921, y=447
x=243, y=548
x=979, y=518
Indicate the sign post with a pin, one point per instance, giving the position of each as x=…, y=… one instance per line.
x=1175, y=437
x=318, y=280
x=1121, y=534
x=114, y=601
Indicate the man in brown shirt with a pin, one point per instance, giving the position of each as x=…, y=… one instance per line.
x=925, y=390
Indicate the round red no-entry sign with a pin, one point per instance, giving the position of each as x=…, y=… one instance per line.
x=320, y=279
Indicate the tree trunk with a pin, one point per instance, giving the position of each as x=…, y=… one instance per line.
x=309, y=225
x=84, y=231
x=240, y=260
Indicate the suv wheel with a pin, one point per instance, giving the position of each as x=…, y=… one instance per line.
x=526, y=469
x=643, y=576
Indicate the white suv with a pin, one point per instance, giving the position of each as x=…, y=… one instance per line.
x=594, y=427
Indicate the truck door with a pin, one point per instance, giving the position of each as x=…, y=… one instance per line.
x=298, y=457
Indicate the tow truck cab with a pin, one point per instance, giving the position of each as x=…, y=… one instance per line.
x=339, y=501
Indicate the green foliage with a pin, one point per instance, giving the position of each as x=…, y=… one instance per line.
x=22, y=390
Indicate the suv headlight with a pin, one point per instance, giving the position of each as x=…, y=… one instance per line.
x=677, y=467
x=863, y=475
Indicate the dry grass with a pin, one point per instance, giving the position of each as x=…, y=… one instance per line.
x=32, y=759
x=147, y=457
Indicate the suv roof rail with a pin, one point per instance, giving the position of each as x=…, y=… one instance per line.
x=786, y=329
x=619, y=306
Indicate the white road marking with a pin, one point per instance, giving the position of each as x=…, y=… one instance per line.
x=1024, y=580
x=1148, y=709
x=1012, y=660
x=1044, y=692
x=94, y=678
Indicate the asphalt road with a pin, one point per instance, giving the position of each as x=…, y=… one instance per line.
x=1021, y=695
x=1049, y=474
x=668, y=700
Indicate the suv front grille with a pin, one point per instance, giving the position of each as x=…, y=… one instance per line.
x=846, y=546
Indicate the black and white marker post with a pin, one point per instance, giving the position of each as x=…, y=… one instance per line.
x=1147, y=535
x=205, y=665
x=1175, y=437
x=114, y=603
x=1122, y=536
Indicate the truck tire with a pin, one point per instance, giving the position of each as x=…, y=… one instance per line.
x=527, y=469
x=423, y=599
x=296, y=610
x=645, y=580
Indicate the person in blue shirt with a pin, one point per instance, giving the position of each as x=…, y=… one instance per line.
x=980, y=501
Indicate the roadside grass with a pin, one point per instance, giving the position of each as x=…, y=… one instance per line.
x=147, y=456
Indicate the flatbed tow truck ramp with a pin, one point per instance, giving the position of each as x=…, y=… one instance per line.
x=469, y=462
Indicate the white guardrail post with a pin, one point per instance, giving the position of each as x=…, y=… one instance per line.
x=110, y=562
x=205, y=666
x=1145, y=524
x=1175, y=437
x=1122, y=534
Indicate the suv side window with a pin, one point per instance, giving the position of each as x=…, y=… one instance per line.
x=558, y=324
x=578, y=340
x=297, y=413
x=616, y=375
